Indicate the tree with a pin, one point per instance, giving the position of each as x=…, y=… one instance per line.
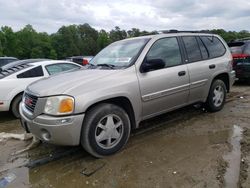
x=8, y=41
x=117, y=34
x=66, y=41
x=88, y=37
x=75, y=40
x=134, y=32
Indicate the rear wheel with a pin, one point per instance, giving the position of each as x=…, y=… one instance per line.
x=217, y=96
x=15, y=106
x=105, y=130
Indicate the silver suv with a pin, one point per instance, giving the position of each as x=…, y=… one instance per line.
x=127, y=82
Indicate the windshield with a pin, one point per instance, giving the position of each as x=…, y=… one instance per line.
x=120, y=54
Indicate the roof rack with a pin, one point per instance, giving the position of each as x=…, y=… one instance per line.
x=177, y=31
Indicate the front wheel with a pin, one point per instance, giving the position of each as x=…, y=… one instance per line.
x=106, y=129
x=15, y=106
x=217, y=96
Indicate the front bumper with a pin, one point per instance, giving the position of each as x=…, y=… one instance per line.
x=55, y=130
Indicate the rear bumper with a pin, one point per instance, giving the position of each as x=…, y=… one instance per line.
x=243, y=74
x=242, y=71
x=232, y=77
x=55, y=130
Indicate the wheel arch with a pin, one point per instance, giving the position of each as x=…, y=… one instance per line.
x=122, y=102
x=225, y=78
x=13, y=98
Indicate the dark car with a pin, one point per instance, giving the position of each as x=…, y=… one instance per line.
x=81, y=60
x=6, y=60
x=240, y=50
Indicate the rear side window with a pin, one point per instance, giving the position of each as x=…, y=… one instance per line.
x=166, y=49
x=204, y=52
x=214, y=46
x=192, y=48
x=35, y=72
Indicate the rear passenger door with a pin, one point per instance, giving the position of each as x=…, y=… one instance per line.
x=202, y=63
x=166, y=88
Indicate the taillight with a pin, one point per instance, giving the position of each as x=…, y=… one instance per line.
x=240, y=56
x=85, y=62
x=232, y=62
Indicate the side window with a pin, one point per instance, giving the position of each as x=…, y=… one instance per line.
x=214, y=46
x=166, y=49
x=35, y=72
x=204, y=52
x=67, y=66
x=57, y=68
x=192, y=48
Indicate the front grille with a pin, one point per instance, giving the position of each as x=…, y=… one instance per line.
x=30, y=102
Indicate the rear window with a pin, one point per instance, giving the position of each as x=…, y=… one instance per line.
x=247, y=49
x=236, y=47
x=214, y=46
x=35, y=72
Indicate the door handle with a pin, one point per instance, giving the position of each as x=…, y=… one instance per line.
x=181, y=73
x=212, y=66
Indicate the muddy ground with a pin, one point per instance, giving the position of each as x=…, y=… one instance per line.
x=186, y=148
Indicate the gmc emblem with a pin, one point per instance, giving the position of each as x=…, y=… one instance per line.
x=28, y=101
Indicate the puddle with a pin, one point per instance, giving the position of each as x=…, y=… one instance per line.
x=233, y=159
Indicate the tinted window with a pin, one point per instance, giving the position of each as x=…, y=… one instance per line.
x=166, y=49
x=192, y=49
x=204, y=52
x=57, y=68
x=35, y=72
x=214, y=46
x=3, y=62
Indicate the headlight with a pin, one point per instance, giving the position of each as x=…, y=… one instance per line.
x=59, y=105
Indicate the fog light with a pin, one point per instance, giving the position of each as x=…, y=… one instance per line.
x=63, y=121
x=45, y=135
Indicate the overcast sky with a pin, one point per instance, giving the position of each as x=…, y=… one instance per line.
x=50, y=15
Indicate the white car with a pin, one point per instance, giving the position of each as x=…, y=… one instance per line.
x=15, y=78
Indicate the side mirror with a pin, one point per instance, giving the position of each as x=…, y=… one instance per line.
x=152, y=64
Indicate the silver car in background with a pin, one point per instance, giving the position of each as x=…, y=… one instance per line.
x=129, y=81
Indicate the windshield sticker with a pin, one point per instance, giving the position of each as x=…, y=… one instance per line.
x=123, y=60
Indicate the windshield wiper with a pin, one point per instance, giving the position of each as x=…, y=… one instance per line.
x=106, y=65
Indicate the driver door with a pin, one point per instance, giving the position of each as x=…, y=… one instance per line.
x=166, y=88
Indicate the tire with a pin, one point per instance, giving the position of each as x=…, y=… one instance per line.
x=15, y=106
x=215, y=103
x=105, y=131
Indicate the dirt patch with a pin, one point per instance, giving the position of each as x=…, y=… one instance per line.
x=222, y=168
x=245, y=159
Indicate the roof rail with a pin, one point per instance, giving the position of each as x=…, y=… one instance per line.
x=177, y=31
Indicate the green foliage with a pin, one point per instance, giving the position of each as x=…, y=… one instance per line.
x=74, y=40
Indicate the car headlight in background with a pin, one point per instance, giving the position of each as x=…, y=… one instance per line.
x=59, y=105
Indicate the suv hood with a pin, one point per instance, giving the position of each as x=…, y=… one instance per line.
x=59, y=84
